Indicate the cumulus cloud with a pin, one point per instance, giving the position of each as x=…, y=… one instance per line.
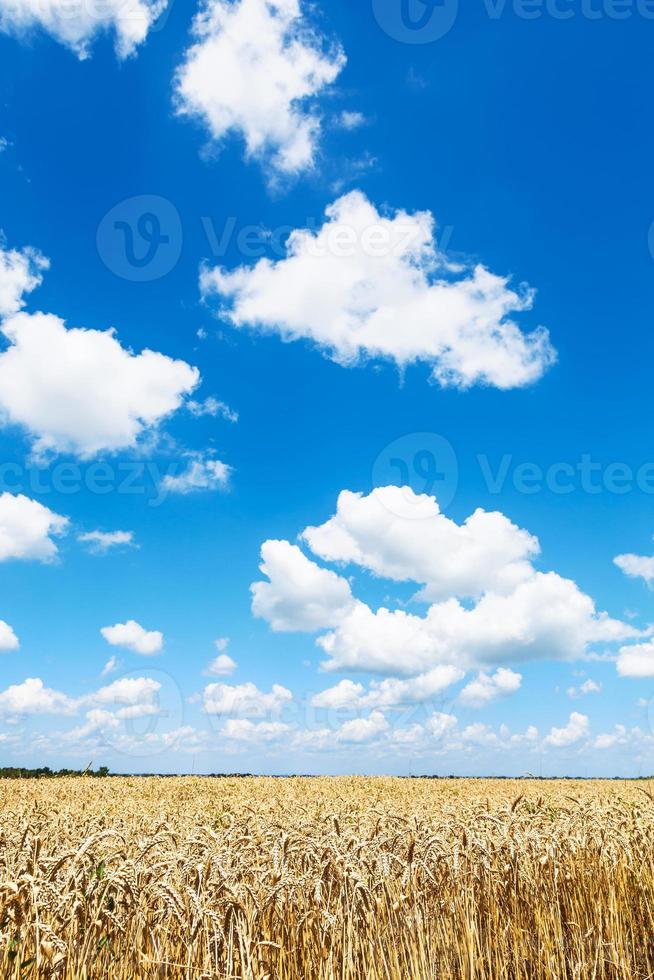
x=373, y=286
x=363, y=729
x=243, y=730
x=20, y=271
x=575, y=731
x=489, y=687
x=486, y=552
x=202, y=473
x=78, y=390
x=636, y=660
x=255, y=70
x=518, y=613
x=100, y=542
x=636, y=566
x=27, y=529
x=390, y=692
x=77, y=25
x=132, y=636
x=126, y=691
x=32, y=697
x=299, y=596
x=221, y=666
x=245, y=700
x=8, y=639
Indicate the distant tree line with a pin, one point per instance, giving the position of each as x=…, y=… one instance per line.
x=45, y=772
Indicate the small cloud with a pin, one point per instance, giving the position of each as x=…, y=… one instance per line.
x=211, y=406
x=221, y=666
x=100, y=542
x=202, y=473
x=8, y=639
x=110, y=666
x=351, y=120
x=132, y=636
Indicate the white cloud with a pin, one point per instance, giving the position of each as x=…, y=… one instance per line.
x=636, y=566
x=486, y=552
x=78, y=391
x=132, y=636
x=519, y=613
x=221, y=666
x=27, y=529
x=77, y=25
x=8, y=639
x=610, y=740
x=126, y=691
x=390, y=692
x=253, y=70
x=546, y=617
x=202, y=473
x=20, y=272
x=32, y=697
x=440, y=723
x=348, y=286
x=489, y=687
x=299, y=596
x=363, y=729
x=242, y=730
x=245, y=700
x=100, y=542
x=351, y=120
x=109, y=667
x=212, y=407
x=588, y=687
x=637, y=660
x=576, y=730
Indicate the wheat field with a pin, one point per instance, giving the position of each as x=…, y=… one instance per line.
x=318, y=879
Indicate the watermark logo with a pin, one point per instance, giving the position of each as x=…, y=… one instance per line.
x=426, y=464
x=140, y=239
x=416, y=21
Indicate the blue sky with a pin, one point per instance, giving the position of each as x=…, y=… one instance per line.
x=528, y=141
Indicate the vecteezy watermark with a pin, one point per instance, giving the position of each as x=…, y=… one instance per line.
x=416, y=21
x=140, y=239
x=425, y=21
x=423, y=463
x=136, y=478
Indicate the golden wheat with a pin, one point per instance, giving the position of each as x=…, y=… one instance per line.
x=301, y=879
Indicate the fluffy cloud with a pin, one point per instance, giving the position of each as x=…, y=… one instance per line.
x=486, y=552
x=350, y=285
x=77, y=25
x=588, y=687
x=576, y=730
x=489, y=687
x=242, y=730
x=8, y=639
x=79, y=391
x=100, y=542
x=519, y=613
x=636, y=566
x=546, y=617
x=252, y=71
x=32, y=697
x=221, y=666
x=299, y=596
x=132, y=636
x=637, y=660
x=245, y=700
x=390, y=692
x=202, y=473
x=363, y=729
x=126, y=691
x=20, y=271
x=27, y=529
